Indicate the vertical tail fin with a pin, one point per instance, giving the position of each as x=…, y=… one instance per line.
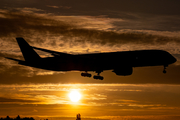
x=27, y=51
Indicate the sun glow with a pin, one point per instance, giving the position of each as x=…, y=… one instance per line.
x=74, y=96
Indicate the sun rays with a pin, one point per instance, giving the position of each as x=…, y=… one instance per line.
x=74, y=95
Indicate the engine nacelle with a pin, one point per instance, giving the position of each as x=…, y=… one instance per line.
x=124, y=71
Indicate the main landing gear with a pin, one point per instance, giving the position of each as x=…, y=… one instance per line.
x=164, y=71
x=86, y=74
x=97, y=77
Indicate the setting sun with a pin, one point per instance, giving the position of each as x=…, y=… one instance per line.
x=74, y=96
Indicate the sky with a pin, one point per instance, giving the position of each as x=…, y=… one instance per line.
x=89, y=26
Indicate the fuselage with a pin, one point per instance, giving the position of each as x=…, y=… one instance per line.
x=104, y=61
x=121, y=63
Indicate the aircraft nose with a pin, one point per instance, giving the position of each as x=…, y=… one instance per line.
x=173, y=60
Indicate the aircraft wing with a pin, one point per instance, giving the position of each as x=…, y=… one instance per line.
x=54, y=53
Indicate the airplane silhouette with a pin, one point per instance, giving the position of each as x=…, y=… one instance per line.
x=121, y=63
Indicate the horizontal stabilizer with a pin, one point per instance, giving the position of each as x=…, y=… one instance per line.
x=14, y=59
x=19, y=61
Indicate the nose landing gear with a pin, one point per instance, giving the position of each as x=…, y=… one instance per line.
x=164, y=71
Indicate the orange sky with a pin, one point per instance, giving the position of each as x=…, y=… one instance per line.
x=90, y=27
x=103, y=101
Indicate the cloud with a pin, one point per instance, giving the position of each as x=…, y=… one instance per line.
x=19, y=23
x=60, y=31
x=28, y=10
x=52, y=6
x=72, y=35
x=62, y=7
x=12, y=101
x=153, y=98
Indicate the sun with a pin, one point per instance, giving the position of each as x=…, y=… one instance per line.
x=74, y=96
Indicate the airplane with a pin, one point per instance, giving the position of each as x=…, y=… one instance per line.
x=121, y=63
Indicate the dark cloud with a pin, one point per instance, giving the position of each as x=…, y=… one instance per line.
x=22, y=24
x=89, y=7
x=11, y=100
x=19, y=23
x=147, y=22
x=154, y=15
x=62, y=7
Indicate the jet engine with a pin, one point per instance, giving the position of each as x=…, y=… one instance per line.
x=124, y=71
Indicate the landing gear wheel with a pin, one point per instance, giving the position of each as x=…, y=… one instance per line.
x=98, y=77
x=164, y=71
x=85, y=74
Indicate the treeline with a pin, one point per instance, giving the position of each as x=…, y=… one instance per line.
x=17, y=118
